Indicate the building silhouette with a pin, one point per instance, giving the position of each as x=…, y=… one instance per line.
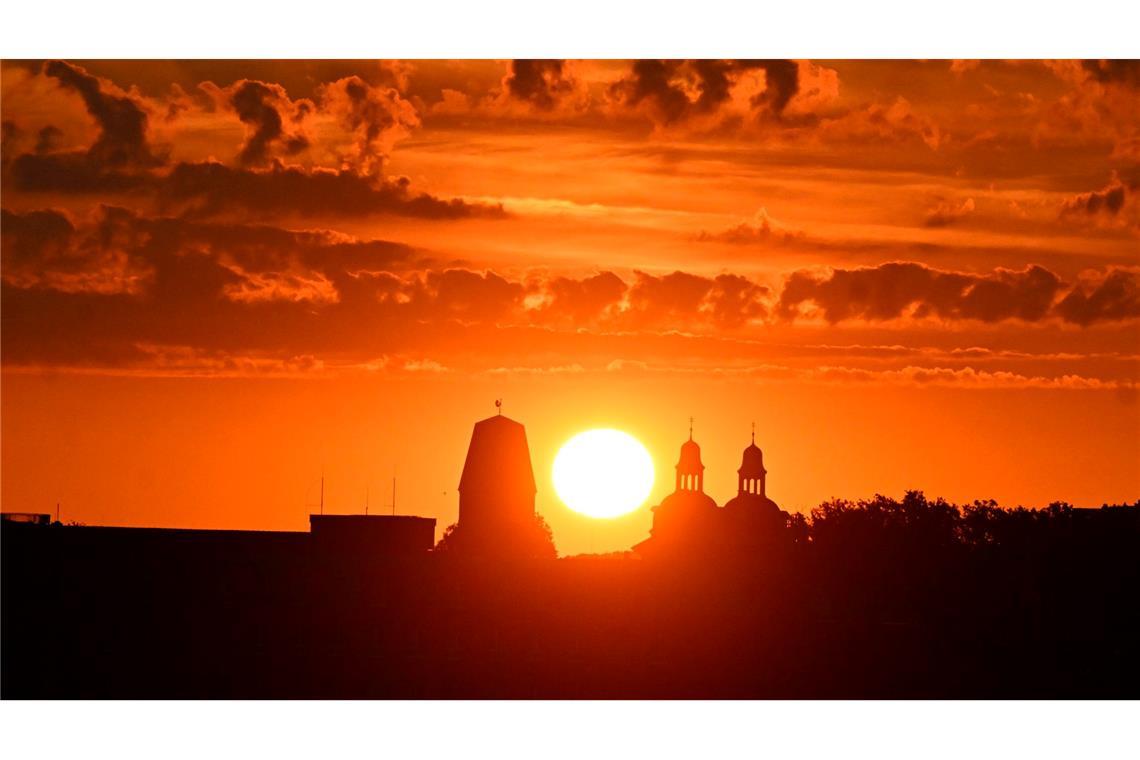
x=371, y=536
x=686, y=516
x=497, y=518
x=690, y=520
x=752, y=518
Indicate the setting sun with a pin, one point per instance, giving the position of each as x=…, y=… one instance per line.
x=603, y=473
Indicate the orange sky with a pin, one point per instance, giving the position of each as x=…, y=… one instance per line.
x=220, y=277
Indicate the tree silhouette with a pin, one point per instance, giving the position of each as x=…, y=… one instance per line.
x=533, y=540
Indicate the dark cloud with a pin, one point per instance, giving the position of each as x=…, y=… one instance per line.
x=119, y=251
x=213, y=189
x=667, y=86
x=122, y=121
x=33, y=240
x=70, y=172
x=1119, y=71
x=757, y=231
x=715, y=83
x=92, y=290
x=10, y=132
x=467, y=295
x=649, y=82
x=669, y=296
x=542, y=83
x=120, y=158
x=1109, y=200
x=43, y=249
x=783, y=82
x=121, y=161
x=583, y=301
x=47, y=139
x=106, y=289
x=947, y=212
x=682, y=300
x=735, y=300
x=209, y=189
x=377, y=116
x=893, y=290
x=1114, y=295
x=259, y=106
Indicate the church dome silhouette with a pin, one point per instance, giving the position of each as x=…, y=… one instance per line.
x=688, y=509
x=752, y=462
x=685, y=502
x=690, y=469
x=751, y=485
x=690, y=460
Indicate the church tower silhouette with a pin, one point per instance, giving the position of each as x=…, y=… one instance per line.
x=690, y=469
x=688, y=513
x=751, y=476
x=754, y=520
x=688, y=520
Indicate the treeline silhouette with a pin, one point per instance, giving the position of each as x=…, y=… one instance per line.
x=876, y=598
x=529, y=541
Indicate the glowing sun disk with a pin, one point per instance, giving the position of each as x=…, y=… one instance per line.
x=603, y=473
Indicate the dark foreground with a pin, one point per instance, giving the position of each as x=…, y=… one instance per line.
x=118, y=613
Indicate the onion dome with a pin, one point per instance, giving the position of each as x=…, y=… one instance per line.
x=690, y=461
x=752, y=462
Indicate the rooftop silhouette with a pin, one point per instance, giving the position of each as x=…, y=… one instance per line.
x=689, y=520
x=874, y=598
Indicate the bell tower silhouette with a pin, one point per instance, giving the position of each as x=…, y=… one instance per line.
x=751, y=477
x=690, y=470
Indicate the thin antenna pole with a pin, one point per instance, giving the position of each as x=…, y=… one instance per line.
x=366, y=490
x=393, y=495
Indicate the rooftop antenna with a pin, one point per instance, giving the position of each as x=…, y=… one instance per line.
x=753, y=433
x=57, y=511
x=366, y=490
x=499, y=406
x=393, y=495
x=690, y=428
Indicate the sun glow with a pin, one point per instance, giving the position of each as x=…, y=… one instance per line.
x=603, y=473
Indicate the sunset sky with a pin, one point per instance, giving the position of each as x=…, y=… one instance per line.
x=221, y=279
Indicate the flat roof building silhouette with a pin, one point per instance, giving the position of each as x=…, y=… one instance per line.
x=362, y=536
